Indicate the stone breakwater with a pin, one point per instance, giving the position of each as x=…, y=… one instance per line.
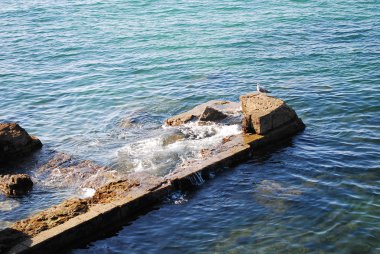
x=76, y=221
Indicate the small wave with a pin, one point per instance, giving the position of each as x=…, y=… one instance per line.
x=172, y=146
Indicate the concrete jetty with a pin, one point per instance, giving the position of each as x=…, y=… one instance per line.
x=266, y=120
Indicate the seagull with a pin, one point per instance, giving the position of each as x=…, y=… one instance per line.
x=261, y=89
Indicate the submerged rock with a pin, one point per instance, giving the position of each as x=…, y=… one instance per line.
x=210, y=111
x=275, y=196
x=263, y=113
x=65, y=171
x=15, y=142
x=172, y=138
x=15, y=185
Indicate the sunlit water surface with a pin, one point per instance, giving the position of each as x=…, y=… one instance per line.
x=72, y=72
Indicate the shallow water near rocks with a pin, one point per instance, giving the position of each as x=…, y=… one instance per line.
x=96, y=79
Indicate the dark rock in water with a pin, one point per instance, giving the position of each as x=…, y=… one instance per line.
x=216, y=111
x=15, y=142
x=15, y=185
x=212, y=115
x=58, y=160
x=263, y=113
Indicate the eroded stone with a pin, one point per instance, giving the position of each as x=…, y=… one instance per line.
x=15, y=142
x=263, y=113
x=51, y=217
x=15, y=185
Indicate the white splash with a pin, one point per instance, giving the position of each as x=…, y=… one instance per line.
x=86, y=192
x=172, y=146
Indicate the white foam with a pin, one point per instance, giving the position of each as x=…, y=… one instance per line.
x=154, y=155
x=86, y=192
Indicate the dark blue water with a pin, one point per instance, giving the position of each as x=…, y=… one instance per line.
x=71, y=71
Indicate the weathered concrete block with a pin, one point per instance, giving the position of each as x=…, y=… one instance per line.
x=263, y=113
x=15, y=142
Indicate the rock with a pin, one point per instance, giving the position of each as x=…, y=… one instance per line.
x=15, y=142
x=212, y=115
x=210, y=111
x=58, y=160
x=15, y=185
x=263, y=113
x=274, y=195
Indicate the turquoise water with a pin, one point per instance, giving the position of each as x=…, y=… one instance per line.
x=70, y=71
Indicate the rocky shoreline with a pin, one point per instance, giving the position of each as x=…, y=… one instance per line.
x=265, y=119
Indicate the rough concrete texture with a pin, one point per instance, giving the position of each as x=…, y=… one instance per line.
x=51, y=217
x=210, y=111
x=15, y=142
x=113, y=191
x=263, y=113
x=15, y=185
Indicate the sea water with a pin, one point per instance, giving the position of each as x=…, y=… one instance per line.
x=72, y=72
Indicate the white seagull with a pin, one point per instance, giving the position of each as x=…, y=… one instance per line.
x=261, y=89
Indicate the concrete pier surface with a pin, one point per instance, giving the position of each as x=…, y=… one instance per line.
x=79, y=221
